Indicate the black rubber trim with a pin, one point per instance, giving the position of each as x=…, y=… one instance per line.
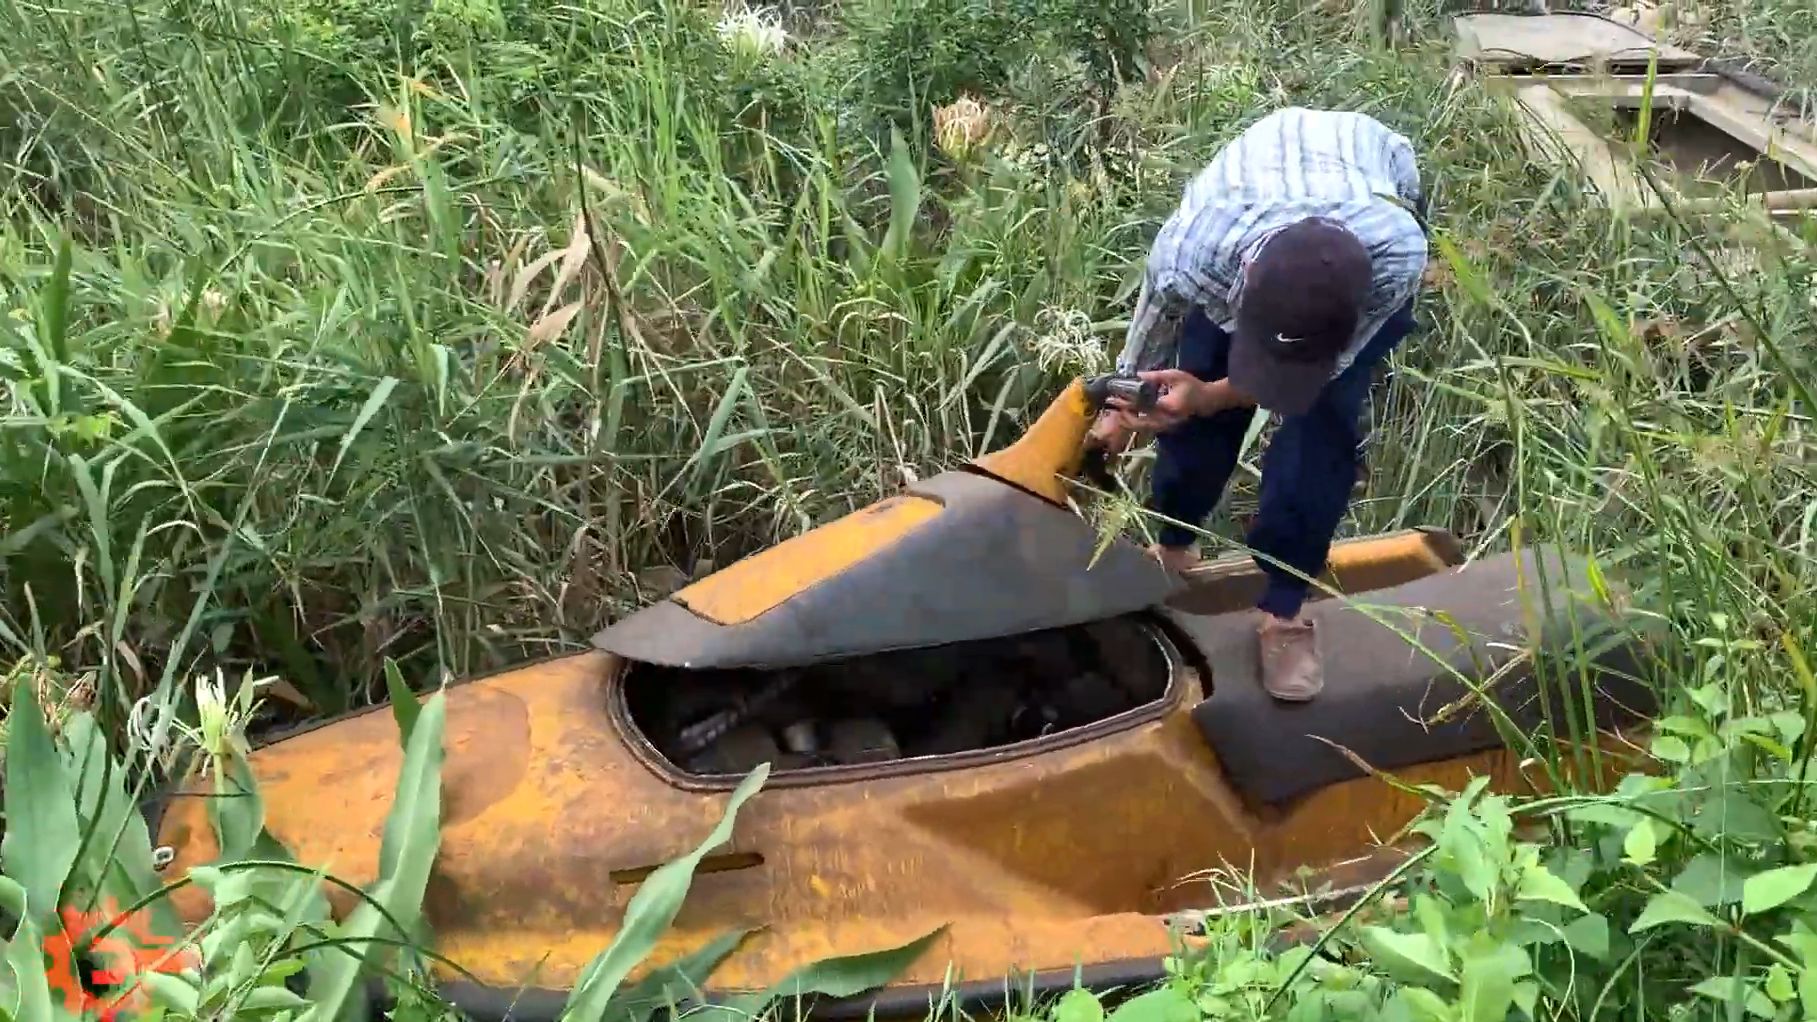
x=535, y=1004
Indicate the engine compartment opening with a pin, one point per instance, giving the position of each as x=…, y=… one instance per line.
x=944, y=700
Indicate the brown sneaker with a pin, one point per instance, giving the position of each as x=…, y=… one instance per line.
x=1291, y=669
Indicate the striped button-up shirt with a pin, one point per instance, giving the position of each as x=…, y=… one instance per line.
x=1290, y=165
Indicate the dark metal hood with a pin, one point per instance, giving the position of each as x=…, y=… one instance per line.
x=958, y=557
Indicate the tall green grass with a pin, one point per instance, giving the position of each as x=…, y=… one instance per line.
x=331, y=342
x=335, y=334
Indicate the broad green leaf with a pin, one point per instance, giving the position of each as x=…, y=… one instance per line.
x=1729, y=989
x=1526, y=997
x=1711, y=879
x=1078, y=1005
x=1490, y=970
x=905, y=197
x=1730, y=813
x=651, y=910
x=172, y=992
x=1804, y=944
x=1779, y=984
x=1672, y=907
x=25, y=954
x=1537, y=883
x=841, y=976
x=12, y=897
x=1412, y=957
x=1671, y=749
x=272, y=998
x=1589, y=935
x=117, y=855
x=1165, y=1004
x=412, y=838
x=404, y=707
x=1775, y=887
x=1642, y=844
x=1417, y=1004
x=1430, y=912
x=42, y=831
x=412, y=828
x=237, y=811
x=1461, y=853
x=668, y=986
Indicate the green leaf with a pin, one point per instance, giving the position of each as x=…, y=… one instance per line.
x=56, y=303
x=1672, y=907
x=1779, y=984
x=1417, y=1004
x=1711, y=879
x=42, y=831
x=649, y=914
x=1490, y=970
x=840, y=976
x=238, y=812
x=905, y=197
x=406, y=854
x=1537, y=883
x=1078, y=1005
x=25, y=954
x=1671, y=749
x=1165, y=1004
x=1526, y=998
x=172, y=992
x=1775, y=887
x=1641, y=844
x=682, y=979
x=12, y=898
x=275, y=998
x=118, y=854
x=1412, y=957
x=851, y=975
x=1730, y=989
x=404, y=707
x=1730, y=813
x=1589, y=935
x=374, y=402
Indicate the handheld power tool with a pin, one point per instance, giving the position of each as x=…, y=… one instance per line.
x=1137, y=395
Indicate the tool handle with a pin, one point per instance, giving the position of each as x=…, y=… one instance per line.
x=1139, y=395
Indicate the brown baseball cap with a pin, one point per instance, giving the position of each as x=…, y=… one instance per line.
x=1302, y=298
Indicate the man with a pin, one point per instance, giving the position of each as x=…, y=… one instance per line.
x=1286, y=275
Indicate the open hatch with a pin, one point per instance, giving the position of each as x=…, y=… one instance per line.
x=951, y=700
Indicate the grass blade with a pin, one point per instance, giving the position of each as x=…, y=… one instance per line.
x=42, y=829
x=651, y=911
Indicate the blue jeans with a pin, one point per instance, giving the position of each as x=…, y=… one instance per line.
x=1308, y=471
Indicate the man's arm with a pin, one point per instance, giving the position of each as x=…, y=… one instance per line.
x=1154, y=329
x=1404, y=165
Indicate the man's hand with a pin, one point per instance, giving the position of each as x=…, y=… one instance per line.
x=1112, y=429
x=1183, y=396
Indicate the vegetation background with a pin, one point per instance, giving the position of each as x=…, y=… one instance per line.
x=444, y=332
